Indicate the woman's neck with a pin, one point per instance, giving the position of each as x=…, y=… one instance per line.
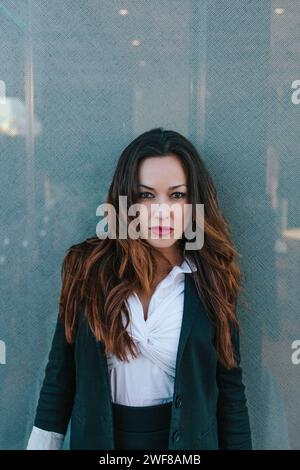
x=175, y=258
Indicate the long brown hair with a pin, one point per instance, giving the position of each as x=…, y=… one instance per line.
x=100, y=274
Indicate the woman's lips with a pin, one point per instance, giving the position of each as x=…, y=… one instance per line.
x=161, y=230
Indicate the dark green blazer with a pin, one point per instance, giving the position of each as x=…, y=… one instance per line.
x=209, y=408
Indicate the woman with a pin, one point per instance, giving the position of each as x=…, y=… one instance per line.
x=145, y=353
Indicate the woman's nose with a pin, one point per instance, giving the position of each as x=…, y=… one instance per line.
x=161, y=211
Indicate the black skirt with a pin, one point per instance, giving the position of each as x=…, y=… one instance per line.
x=141, y=427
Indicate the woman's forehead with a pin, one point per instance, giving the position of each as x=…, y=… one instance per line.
x=165, y=172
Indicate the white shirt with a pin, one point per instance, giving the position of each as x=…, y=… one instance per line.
x=157, y=339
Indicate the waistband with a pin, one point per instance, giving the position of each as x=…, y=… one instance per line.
x=142, y=418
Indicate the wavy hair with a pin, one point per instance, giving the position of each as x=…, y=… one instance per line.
x=101, y=273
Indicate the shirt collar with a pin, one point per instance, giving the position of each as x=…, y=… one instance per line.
x=187, y=266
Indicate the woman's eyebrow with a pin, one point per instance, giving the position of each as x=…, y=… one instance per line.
x=171, y=187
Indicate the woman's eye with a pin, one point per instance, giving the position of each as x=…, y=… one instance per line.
x=144, y=195
x=181, y=195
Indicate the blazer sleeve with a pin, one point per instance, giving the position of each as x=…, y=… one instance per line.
x=234, y=430
x=57, y=393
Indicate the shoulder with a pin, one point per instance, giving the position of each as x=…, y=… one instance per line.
x=85, y=246
x=75, y=274
x=76, y=254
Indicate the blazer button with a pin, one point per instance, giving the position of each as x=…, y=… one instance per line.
x=178, y=401
x=176, y=436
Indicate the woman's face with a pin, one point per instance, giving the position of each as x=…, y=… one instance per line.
x=162, y=184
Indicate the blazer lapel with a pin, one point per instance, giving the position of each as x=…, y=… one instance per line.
x=190, y=307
